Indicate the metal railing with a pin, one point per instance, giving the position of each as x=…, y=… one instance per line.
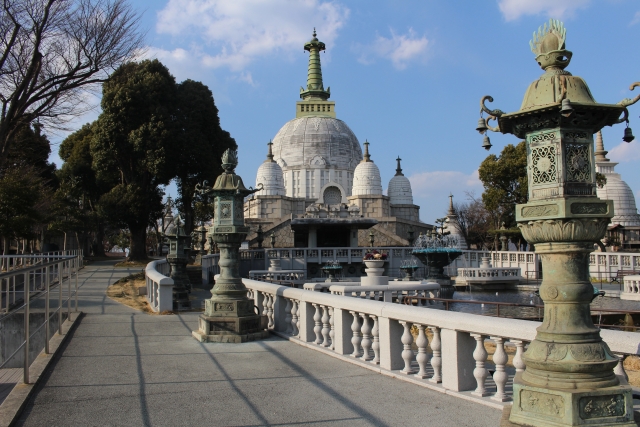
x=36, y=283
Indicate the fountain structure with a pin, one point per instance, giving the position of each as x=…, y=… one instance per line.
x=436, y=251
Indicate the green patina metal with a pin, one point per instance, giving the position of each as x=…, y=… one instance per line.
x=569, y=369
x=315, y=98
x=178, y=259
x=315, y=88
x=229, y=315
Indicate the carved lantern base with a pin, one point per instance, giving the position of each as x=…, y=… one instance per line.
x=231, y=320
x=543, y=407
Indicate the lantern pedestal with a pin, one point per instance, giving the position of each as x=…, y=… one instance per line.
x=569, y=378
x=229, y=315
x=180, y=282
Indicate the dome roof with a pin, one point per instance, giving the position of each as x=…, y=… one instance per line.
x=271, y=177
x=624, y=203
x=366, y=177
x=399, y=190
x=319, y=141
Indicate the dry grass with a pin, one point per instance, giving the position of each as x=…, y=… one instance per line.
x=133, y=264
x=125, y=291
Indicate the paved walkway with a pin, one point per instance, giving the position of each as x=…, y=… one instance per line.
x=122, y=367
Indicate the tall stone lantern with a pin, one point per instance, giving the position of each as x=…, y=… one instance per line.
x=569, y=378
x=229, y=315
x=178, y=259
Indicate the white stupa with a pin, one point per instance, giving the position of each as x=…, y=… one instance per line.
x=270, y=176
x=366, y=177
x=399, y=189
x=624, y=203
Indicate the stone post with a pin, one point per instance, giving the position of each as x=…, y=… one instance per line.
x=177, y=259
x=229, y=315
x=568, y=378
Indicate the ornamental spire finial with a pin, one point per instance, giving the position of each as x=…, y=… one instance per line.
x=399, y=169
x=315, y=88
x=451, y=210
x=367, y=156
x=270, y=153
x=601, y=153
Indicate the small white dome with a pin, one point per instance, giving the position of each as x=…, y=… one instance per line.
x=399, y=190
x=366, y=177
x=624, y=203
x=271, y=177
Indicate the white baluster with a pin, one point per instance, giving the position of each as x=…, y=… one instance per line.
x=287, y=316
x=366, y=338
x=436, y=359
x=480, y=372
x=326, y=328
x=270, y=310
x=407, y=353
x=422, y=358
x=317, y=329
x=355, y=339
x=294, y=318
x=376, y=340
x=265, y=302
x=518, y=363
x=298, y=318
x=332, y=332
x=500, y=377
x=619, y=369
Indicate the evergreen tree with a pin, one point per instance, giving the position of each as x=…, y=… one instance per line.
x=132, y=139
x=504, y=179
x=200, y=143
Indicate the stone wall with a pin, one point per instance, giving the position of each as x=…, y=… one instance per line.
x=281, y=229
x=372, y=206
x=409, y=212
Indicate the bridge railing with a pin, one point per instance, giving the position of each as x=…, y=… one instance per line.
x=159, y=285
x=452, y=347
x=29, y=321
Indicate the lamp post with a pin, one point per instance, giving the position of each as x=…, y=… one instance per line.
x=272, y=239
x=177, y=259
x=229, y=314
x=569, y=378
x=260, y=237
x=372, y=238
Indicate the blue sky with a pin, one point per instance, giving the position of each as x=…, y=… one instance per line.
x=405, y=75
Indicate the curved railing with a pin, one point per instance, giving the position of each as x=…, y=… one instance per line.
x=159, y=285
x=452, y=347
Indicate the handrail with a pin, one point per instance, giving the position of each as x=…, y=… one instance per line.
x=44, y=271
x=12, y=273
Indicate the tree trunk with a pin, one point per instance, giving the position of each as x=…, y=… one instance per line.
x=98, y=247
x=138, y=247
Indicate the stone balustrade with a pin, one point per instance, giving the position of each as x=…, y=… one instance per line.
x=451, y=355
x=387, y=293
x=297, y=277
x=159, y=286
x=631, y=289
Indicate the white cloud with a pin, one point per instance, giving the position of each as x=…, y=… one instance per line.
x=399, y=49
x=241, y=31
x=625, y=152
x=557, y=9
x=636, y=19
x=431, y=191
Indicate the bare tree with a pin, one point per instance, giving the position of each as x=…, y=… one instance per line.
x=53, y=53
x=474, y=221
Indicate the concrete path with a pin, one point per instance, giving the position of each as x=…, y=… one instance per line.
x=122, y=367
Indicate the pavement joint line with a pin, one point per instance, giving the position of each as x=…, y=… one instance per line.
x=15, y=402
